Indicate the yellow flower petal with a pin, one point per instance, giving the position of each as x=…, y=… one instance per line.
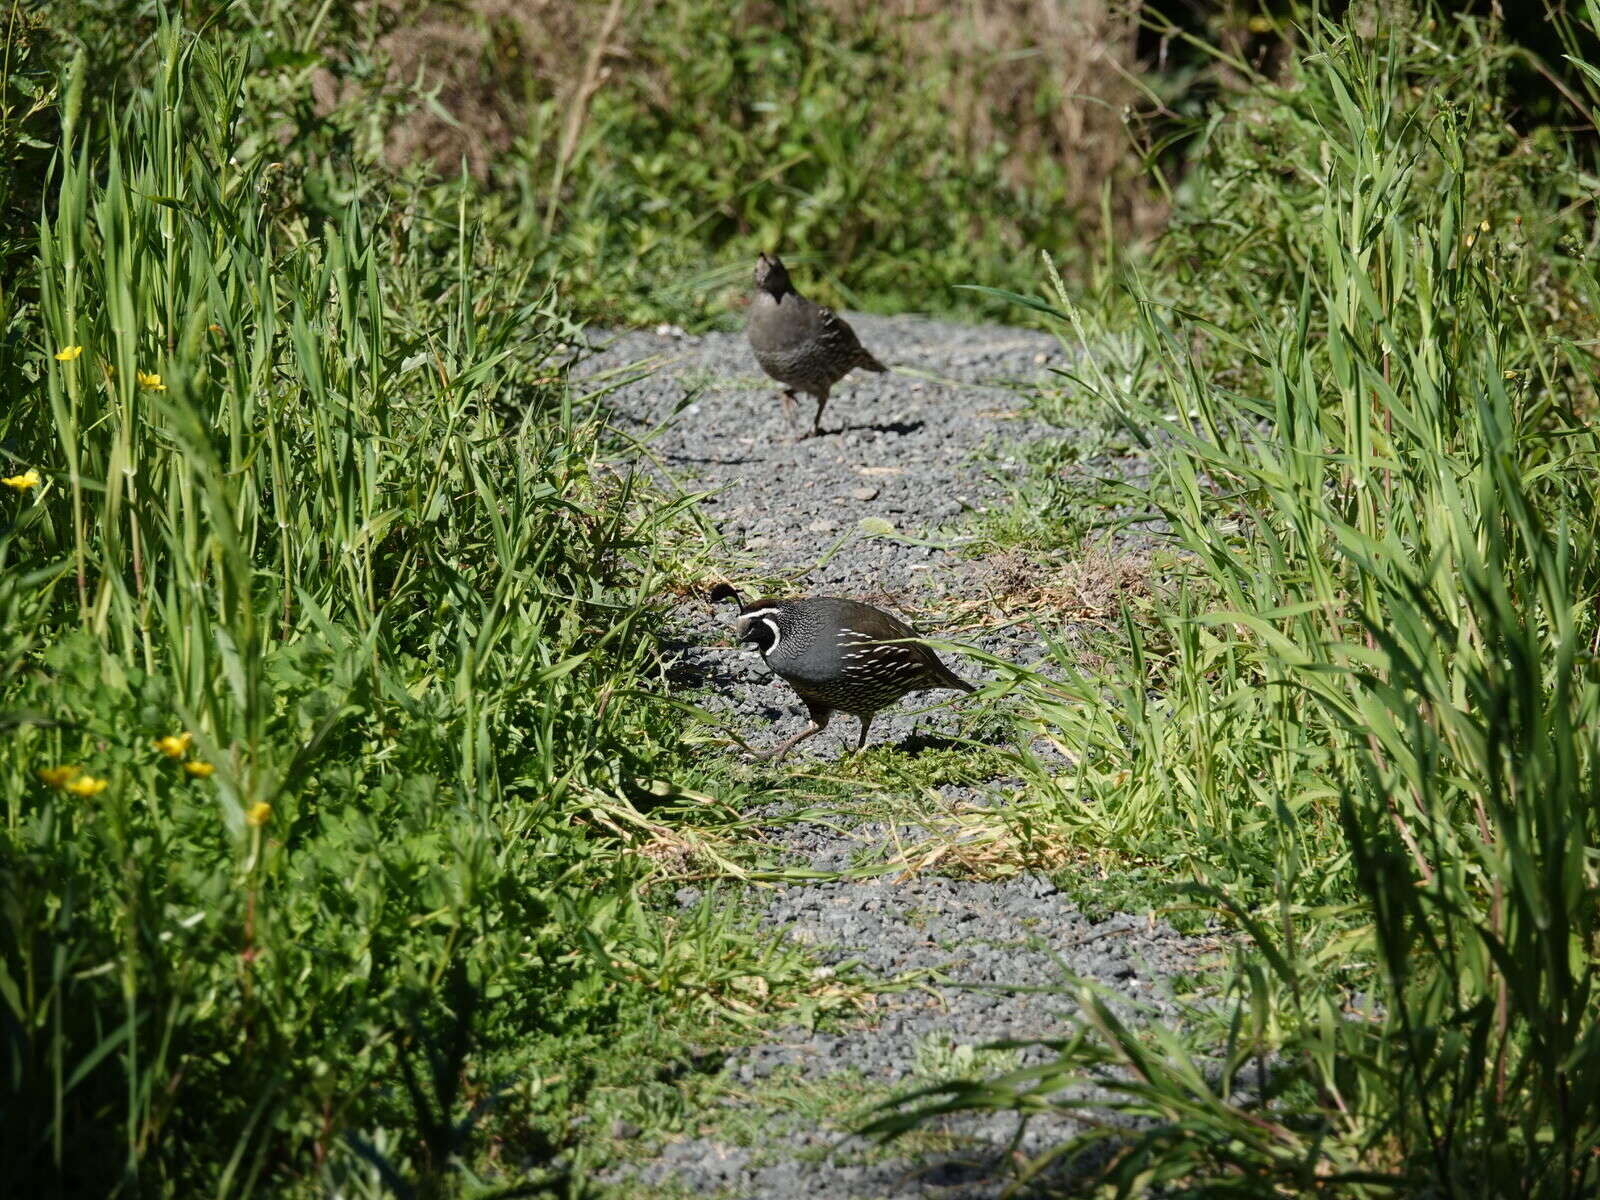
x=21, y=483
x=174, y=745
x=87, y=785
x=200, y=770
x=150, y=382
x=258, y=815
x=59, y=777
x=68, y=353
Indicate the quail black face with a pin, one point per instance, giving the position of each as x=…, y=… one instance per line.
x=771, y=276
x=759, y=626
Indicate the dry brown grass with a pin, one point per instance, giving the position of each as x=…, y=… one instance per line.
x=1049, y=79
x=1089, y=587
x=485, y=61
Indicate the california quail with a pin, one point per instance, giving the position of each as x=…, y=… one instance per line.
x=804, y=346
x=838, y=655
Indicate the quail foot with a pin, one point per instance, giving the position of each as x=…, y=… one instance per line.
x=838, y=656
x=804, y=346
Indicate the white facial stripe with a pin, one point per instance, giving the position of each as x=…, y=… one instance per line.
x=760, y=612
x=777, y=635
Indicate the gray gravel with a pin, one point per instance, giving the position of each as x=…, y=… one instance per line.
x=919, y=448
x=901, y=448
x=897, y=448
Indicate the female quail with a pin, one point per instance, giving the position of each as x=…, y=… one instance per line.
x=804, y=346
x=838, y=655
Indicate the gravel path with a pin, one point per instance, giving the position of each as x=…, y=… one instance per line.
x=918, y=448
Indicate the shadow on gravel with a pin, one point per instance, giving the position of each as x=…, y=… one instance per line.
x=790, y=1167
x=688, y=676
x=688, y=668
x=989, y=1171
x=898, y=428
x=931, y=743
x=966, y=1179
x=707, y=461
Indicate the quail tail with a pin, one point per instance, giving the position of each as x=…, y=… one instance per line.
x=947, y=678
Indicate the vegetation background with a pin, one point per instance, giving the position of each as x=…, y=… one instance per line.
x=338, y=767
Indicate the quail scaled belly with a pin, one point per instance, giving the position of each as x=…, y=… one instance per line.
x=839, y=656
x=804, y=346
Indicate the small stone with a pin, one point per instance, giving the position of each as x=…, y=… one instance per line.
x=864, y=493
x=820, y=526
x=625, y=1131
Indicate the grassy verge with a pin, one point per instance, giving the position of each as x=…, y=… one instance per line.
x=333, y=782
x=641, y=152
x=892, y=149
x=1364, y=728
x=337, y=806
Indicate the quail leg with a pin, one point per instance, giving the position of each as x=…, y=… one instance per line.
x=866, y=723
x=816, y=422
x=819, y=722
x=789, y=405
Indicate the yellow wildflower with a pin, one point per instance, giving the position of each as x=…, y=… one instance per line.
x=87, y=785
x=258, y=815
x=1483, y=226
x=213, y=328
x=150, y=382
x=59, y=777
x=200, y=770
x=68, y=353
x=21, y=483
x=1260, y=25
x=174, y=744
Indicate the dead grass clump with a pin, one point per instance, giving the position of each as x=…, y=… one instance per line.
x=1000, y=843
x=1091, y=587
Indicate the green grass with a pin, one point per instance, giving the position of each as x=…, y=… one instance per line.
x=722, y=138
x=703, y=140
x=319, y=506
x=398, y=916
x=1362, y=731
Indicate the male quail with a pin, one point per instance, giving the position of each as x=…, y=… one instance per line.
x=838, y=655
x=804, y=346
